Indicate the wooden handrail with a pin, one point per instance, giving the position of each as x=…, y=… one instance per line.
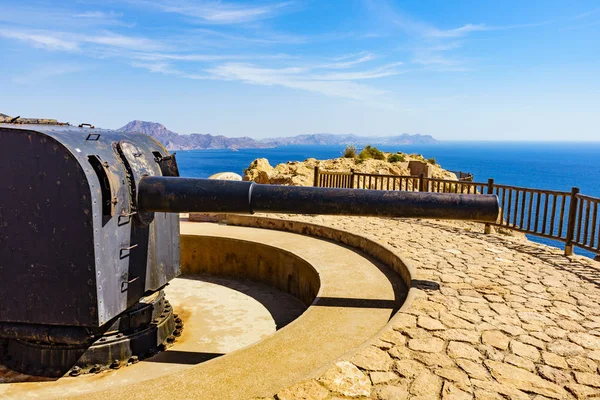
x=538, y=212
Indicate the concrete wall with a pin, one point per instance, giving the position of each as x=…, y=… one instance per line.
x=419, y=167
x=239, y=259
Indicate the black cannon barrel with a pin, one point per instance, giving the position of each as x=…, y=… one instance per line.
x=173, y=194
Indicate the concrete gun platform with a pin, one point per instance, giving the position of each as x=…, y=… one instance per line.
x=350, y=297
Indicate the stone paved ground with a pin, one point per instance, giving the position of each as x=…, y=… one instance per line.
x=495, y=317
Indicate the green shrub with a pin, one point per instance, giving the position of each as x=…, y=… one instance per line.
x=431, y=161
x=365, y=153
x=397, y=157
x=418, y=157
x=378, y=155
x=371, y=152
x=350, y=152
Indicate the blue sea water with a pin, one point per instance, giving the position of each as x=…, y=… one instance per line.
x=551, y=165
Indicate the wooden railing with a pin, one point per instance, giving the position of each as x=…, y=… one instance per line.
x=569, y=217
x=463, y=176
x=385, y=182
x=586, y=232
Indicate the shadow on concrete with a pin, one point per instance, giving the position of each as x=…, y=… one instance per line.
x=398, y=286
x=182, y=357
x=424, y=285
x=355, y=303
x=579, y=268
x=9, y=376
x=283, y=307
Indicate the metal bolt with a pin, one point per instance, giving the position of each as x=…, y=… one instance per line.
x=177, y=332
x=170, y=339
x=76, y=371
x=120, y=335
x=178, y=320
x=134, y=359
x=179, y=326
x=115, y=364
x=95, y=369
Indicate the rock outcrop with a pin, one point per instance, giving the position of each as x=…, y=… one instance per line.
x=301, y=173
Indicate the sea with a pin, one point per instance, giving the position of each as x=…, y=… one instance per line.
x=540, y=165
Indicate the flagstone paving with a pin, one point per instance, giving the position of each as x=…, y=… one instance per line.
x=495, y=317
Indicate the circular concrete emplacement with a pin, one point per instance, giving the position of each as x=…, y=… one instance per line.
x=221, y=315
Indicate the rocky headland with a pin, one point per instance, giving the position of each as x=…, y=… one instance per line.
x=301, y=173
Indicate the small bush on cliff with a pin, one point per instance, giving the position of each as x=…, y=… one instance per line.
x=350, y=152
x=431, y=161
x=371, y=152
x=398, y=157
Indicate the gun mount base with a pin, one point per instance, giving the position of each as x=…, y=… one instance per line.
x=140, y=332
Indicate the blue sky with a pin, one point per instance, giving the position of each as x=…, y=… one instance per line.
x=458, y=70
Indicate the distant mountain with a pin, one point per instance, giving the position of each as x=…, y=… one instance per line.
x=346, y=139
x=174, y=141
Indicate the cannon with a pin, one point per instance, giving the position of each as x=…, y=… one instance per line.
x=89, y=238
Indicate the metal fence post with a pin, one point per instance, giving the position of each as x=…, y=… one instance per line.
x=316, y=178
x=351, y=178
x=571, y=222
x=421, y=182
x=490, y=190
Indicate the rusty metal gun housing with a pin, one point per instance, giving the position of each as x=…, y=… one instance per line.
x=89, y=233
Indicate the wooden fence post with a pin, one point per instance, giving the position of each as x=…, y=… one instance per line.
x=490, y=190
x=421, y=182
x=316, y=178
x=351, y=178
x=571, y=222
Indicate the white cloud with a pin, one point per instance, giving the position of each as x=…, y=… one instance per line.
x=41, y=40
x=121, y=41
x=168, y=69
x=57, y=15
x=65, y=41
x=587, y=13
x=380, y=72
x=218, y=12
x=265, y=37
x=97, y=15
x=295, y=78
x=177, y=55
x=208, y=57
x=455, y=33
x=430, y=45
x=362, y=58
x=48, y=71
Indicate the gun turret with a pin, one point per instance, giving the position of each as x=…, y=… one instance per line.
x=89, y=237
